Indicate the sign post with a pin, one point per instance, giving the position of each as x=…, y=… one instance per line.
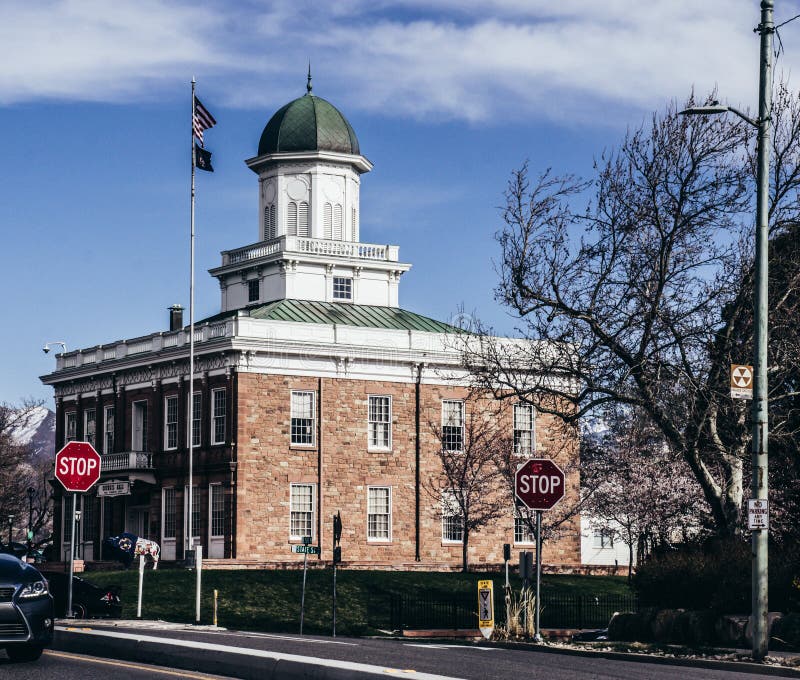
x=306, y=545
x=78, y=469
x=486, y=608
x=337, y=557
x=539, y=484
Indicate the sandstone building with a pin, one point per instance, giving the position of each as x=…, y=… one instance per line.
x=314, y=393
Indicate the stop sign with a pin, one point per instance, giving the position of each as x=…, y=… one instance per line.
x=539, y=483
x=78, y=466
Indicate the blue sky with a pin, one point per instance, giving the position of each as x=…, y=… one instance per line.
x=446, y=101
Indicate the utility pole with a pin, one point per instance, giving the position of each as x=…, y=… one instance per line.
x=760, y=416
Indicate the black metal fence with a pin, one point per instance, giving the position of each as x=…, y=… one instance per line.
x=409, y=611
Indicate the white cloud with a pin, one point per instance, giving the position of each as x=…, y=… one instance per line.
x=494, y=60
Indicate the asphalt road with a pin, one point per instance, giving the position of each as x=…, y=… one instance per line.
x=260, y=655
x=66, y=666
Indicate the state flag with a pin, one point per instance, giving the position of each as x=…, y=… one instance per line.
x=202, y=158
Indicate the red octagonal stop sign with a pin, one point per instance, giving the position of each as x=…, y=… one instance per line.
x=78, y=466
x=539, y=483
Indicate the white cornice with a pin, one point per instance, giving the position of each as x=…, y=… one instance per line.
x=359, y=162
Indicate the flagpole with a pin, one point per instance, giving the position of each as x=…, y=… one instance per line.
x=188, y=518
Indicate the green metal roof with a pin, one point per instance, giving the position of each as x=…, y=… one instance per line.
x=364, y=316
x=308, y=123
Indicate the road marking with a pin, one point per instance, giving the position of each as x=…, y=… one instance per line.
x=148, y=668
x=275, y=636
x=443, y=646
x=260, y=653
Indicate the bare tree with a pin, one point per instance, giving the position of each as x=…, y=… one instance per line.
x=467, y=489
x=632, y=287
x=19, y=471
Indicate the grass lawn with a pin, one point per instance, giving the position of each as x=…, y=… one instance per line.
x=269, y=600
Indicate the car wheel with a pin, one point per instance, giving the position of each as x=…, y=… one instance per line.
x=78, y=611
x=24, y=652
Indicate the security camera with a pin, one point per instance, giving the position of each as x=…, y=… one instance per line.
x=45, y=349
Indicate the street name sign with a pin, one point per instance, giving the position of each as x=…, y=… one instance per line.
x=757, y=514
x=486, y=608
x=306, y=549
x=78, y=466
x=114, y=488
x=741, y=381
x=539, y=483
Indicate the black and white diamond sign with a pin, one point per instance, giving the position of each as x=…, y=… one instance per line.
x=741, y=381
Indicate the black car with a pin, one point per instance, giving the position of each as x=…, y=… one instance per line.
x=88, y=600
x=26, y=610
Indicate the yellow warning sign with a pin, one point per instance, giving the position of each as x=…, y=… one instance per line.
x=486, y=608
x=741, y=381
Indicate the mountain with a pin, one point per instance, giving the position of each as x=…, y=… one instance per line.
x=36, y=427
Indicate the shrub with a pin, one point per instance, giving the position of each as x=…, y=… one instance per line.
x=786, y=632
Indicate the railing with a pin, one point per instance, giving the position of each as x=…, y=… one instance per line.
x=109, y=353
x=170, y=340
x=141, y=346
x=314, y=246
x=460, y=611
x=130, y=460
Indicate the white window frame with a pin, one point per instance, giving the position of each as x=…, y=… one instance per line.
x=602, y=539
x=522, y=528
x=387, y=514
x=197, y=418
x=215, y=417
x=86, y=437
x=293, y=536
x=73, y=417
x=313, y=418
x=250, y=283
x=108, y=444
x=450, y=504
x=170, y=427
x=372, y=424
x=519, y=449
x=145, y=425
x=172, y=491
x=344, y=291
x=445, y=438
x=187, y=516
x=216, y=491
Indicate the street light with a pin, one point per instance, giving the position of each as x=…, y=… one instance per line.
x=31, y=494
x=760, y=423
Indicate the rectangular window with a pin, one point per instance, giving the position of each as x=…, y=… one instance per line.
x=217, y=510
x=452, y=425
x=218, y=418
x=301, y=511
x=602, y=539
x=380, y=422
x=171, y=422
x=197, y=418
x=108, y=430
x=139, y=432
x=379, y=513
x=524, y=440
x=70, y=426
x=253, y=290
x=89, y=425
x=522, y=531
x=195, y=508
x=342, y=288
x=170, y=512
x=452, y=521
x=302, y=414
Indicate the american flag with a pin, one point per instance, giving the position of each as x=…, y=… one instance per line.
x=203, y=120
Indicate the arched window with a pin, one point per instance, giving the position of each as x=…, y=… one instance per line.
x=327, y=219
x=302, y=224
x=291, y=219
x=337, y=222
x=269, y=222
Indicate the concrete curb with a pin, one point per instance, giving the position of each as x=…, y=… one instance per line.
x=712, y=664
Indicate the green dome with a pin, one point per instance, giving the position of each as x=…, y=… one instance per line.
x=308, y=123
